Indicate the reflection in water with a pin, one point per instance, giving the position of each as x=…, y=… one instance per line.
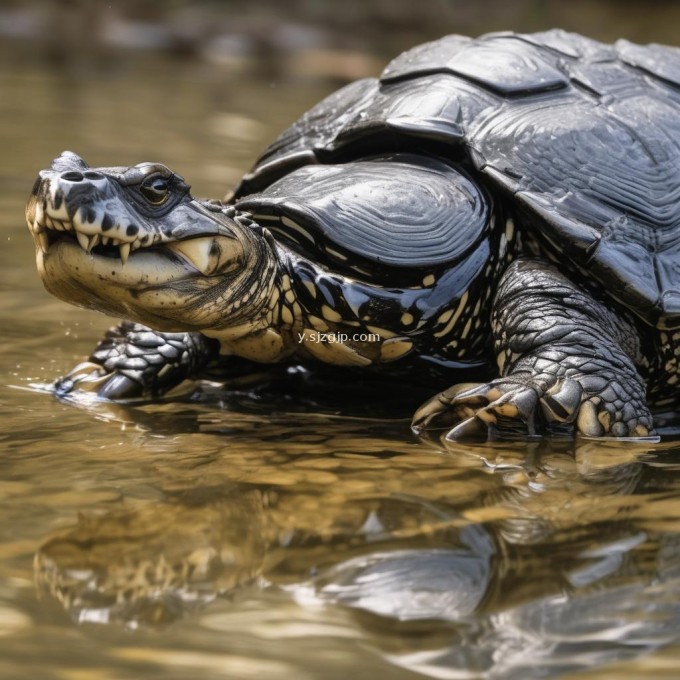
x=493, y=559
x=445, y=584
x=157, y=563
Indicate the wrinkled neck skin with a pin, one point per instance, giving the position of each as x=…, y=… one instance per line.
x=313, y=313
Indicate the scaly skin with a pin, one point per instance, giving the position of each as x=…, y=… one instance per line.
x=134, y=361
x=567, y=363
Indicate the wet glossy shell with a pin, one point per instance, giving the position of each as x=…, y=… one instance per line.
x=582, y=138
x=386, y=212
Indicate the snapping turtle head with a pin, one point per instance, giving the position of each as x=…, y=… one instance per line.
x=133, y=242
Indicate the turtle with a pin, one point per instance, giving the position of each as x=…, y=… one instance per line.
x=497, y=215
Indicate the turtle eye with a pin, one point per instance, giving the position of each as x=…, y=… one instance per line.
x=155, y=189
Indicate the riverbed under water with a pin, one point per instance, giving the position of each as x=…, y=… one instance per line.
x=261, y=533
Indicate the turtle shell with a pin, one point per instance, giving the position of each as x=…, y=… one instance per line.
x=389, y=217
x=582, y=139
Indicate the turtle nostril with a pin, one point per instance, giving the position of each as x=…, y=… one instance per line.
x=72, y=176
x=92, y=175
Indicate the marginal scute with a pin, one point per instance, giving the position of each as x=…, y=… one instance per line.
x=670, y=302
x=427, y=108
x=667, y=268
x=437, y=129
x=272, y=168
x=615, y=257
x=576, y=238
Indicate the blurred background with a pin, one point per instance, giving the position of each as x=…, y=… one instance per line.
x=281, y=32
x=153, y=75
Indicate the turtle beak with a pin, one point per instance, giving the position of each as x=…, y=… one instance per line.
x=217, y=224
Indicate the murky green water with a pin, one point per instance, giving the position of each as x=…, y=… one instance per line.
x=260, y=534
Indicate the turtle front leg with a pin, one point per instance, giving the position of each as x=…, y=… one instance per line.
x=133, y=361
x=567, y=364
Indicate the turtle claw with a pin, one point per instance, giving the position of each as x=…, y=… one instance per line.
x=437, y=413
x=471, y=428
x=93, y=379
x=119, y=387
x=504, y=405
x=530, y=407
x=85, y=377
x=475, y=409
x=560, y=403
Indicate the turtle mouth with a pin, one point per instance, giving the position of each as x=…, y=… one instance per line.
x=95, y=245
x=52, y=224
x=89, y=230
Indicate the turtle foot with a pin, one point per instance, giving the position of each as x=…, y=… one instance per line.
x=133, y=361
x=519, y=405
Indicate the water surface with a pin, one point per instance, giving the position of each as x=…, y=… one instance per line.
x=261, y=533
